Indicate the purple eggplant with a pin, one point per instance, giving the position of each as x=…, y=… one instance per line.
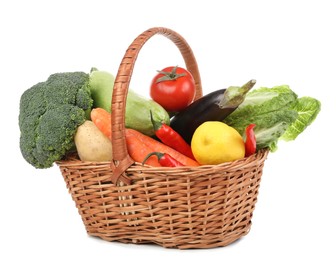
x=215, y=106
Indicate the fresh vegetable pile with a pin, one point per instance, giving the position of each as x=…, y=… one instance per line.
x=71, y=113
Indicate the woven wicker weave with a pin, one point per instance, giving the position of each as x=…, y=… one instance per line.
x=183, y=207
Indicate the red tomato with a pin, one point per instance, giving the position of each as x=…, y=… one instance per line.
x=173, y=88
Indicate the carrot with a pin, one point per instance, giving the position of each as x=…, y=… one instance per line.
x=102, y=119
x=156, y=146
x=138, y=151
x=138, y=144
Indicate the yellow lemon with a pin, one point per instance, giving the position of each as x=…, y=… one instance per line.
x=215, y=142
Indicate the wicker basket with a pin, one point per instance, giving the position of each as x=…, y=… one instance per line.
x=183, y=207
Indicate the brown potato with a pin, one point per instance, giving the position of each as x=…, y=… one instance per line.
x=92, y=145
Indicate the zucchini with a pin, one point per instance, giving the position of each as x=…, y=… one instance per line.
x=137, y=114
x=215, y=106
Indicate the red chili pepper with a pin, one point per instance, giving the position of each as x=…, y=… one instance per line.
x=250, y=142
x=170, y=137
x=164, y=159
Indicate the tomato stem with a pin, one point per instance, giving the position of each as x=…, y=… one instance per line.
x=172, y=75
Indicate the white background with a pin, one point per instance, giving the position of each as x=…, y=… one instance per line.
x=275, y=42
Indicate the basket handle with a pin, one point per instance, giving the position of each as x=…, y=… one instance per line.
x=121, y=159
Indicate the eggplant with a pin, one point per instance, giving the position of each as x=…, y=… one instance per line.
x=215, y=106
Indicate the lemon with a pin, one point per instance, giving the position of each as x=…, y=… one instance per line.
x=215, y=142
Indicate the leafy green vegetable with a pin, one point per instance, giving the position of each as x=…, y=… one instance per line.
x=270, y=126
x=277, y=112
x=308, y=109
x=261, y=100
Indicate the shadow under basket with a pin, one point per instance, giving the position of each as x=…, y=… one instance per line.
x=183, y=207
x=199, y=207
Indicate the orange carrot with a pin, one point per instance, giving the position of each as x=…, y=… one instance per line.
x=138, y=151
x=138, y=144
x=102, y=119
x=156, y=146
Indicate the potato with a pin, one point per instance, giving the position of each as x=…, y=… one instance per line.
x=92, y=145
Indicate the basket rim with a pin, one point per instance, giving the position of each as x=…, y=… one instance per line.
x=257, y=158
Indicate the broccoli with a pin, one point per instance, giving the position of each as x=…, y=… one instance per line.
x=50, y=113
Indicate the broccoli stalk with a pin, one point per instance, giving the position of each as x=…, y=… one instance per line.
x=50, y=113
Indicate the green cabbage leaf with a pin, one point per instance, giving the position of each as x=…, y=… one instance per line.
x=277, y=112
x=308, y=108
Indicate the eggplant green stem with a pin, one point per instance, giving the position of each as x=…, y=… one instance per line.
x=234, y=96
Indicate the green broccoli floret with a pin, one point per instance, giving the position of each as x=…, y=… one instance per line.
x=50, y=113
